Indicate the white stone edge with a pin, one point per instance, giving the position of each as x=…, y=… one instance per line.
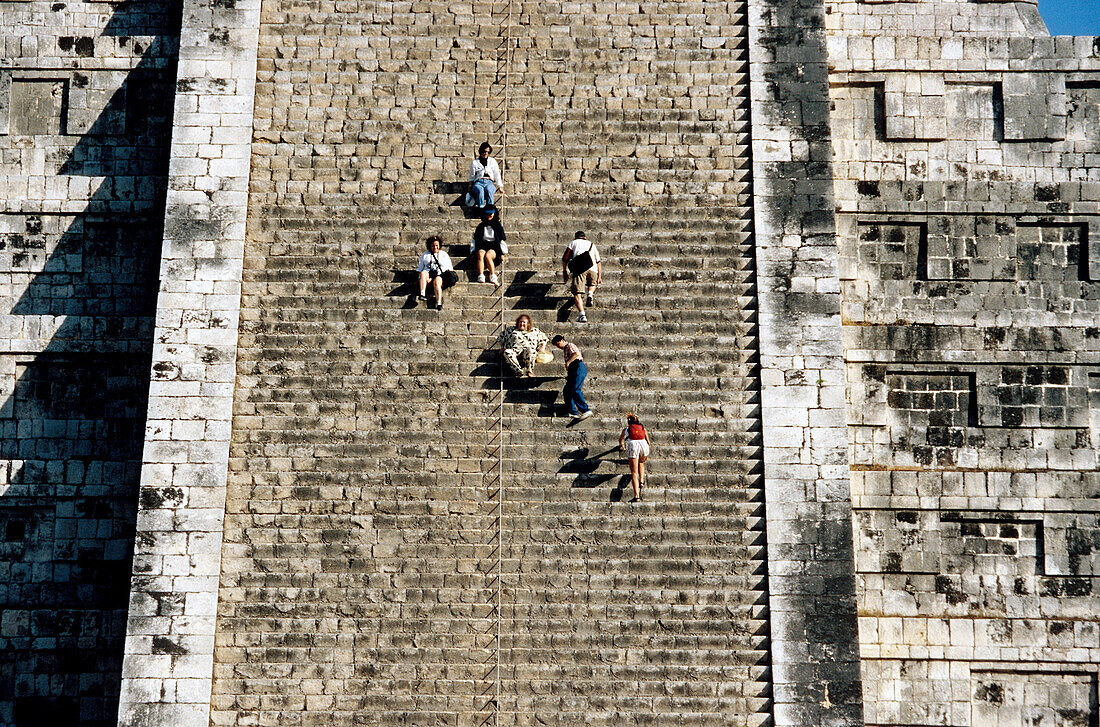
x=805, y=441
x=167, y=670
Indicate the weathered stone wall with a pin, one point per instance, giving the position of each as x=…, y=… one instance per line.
x=85, y=109
x=811, y=587
x=407, y=540
x=968, y=188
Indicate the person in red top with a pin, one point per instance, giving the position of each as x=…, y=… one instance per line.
x=637, y=452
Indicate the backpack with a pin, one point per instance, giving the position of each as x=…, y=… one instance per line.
x=635, y=431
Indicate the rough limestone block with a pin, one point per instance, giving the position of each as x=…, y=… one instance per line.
x=1034, y=106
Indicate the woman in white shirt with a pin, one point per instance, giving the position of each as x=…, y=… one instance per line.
x=484, y=179
x=435, y=267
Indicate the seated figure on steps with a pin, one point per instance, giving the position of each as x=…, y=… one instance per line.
x=484, y=179
x=489, y=246
x=435, y=268
x=521, y=345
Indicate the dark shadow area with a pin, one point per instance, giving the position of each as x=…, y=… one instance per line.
x=458, y=189
x=532, y=296
x=583, y=466
x=72, y=428
x=563, y=311
x=540, y=390
x=405, y=286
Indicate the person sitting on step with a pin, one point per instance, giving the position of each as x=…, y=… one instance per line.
x=581, y=268
x=521, y=344
x=435, y=268
x=485, y=179
x=489, y=246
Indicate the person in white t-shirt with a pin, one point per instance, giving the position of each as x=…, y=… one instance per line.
x=484, y=179
x=581, y=268
x=435, y=268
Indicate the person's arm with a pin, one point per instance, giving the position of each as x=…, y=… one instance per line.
x=599, y=273
x=475, y=172
x=565, y=264
x=495, y=175
x=622, y=436
x=445, y=262
x=421, y=264
x=541, y=339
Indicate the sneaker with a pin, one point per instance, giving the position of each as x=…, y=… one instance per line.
x=421, y=296
x=494, y=280
x=481, y=278
x=588, y=300
x=582, y=318
x=439, y=305
x=584, y=415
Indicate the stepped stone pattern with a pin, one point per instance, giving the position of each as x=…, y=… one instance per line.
x=410, y=538
x=849, y=258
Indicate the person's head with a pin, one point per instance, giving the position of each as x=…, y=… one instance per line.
x=488, y=213
x=433, y=243
x=631, y=418
x=523, y=323
x=558, y=341
x=484, y=151
x=579, y=235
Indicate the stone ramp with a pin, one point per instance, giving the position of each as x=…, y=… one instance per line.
x=411, y=539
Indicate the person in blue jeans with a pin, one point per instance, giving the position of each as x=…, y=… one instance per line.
x=575, y=372
x=484, y=178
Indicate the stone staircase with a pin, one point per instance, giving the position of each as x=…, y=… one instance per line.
x=413, y=540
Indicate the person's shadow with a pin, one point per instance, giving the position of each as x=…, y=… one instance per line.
x=458, y=189
x=584, y=466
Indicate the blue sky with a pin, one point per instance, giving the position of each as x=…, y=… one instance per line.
x=1071, y=17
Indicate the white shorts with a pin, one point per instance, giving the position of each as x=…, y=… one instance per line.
x=636, y=448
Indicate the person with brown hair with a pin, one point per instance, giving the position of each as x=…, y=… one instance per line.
x=520, y=345
x=435, y=268
x=637, y=452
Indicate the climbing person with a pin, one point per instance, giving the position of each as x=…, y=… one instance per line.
x=575, y=373
x=581, y=268
x=489, y=245
x=637, y=452
x=520, y=345
x=435, y=268
x=484, y=179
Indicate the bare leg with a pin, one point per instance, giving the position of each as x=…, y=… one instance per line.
x=490, y=255
x=578, y=300
x=643, y=480
x=480, y=262
x=634, y=477
x=423, y=281
x=437, y=287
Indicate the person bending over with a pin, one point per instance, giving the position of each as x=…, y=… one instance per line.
x=575, y=373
